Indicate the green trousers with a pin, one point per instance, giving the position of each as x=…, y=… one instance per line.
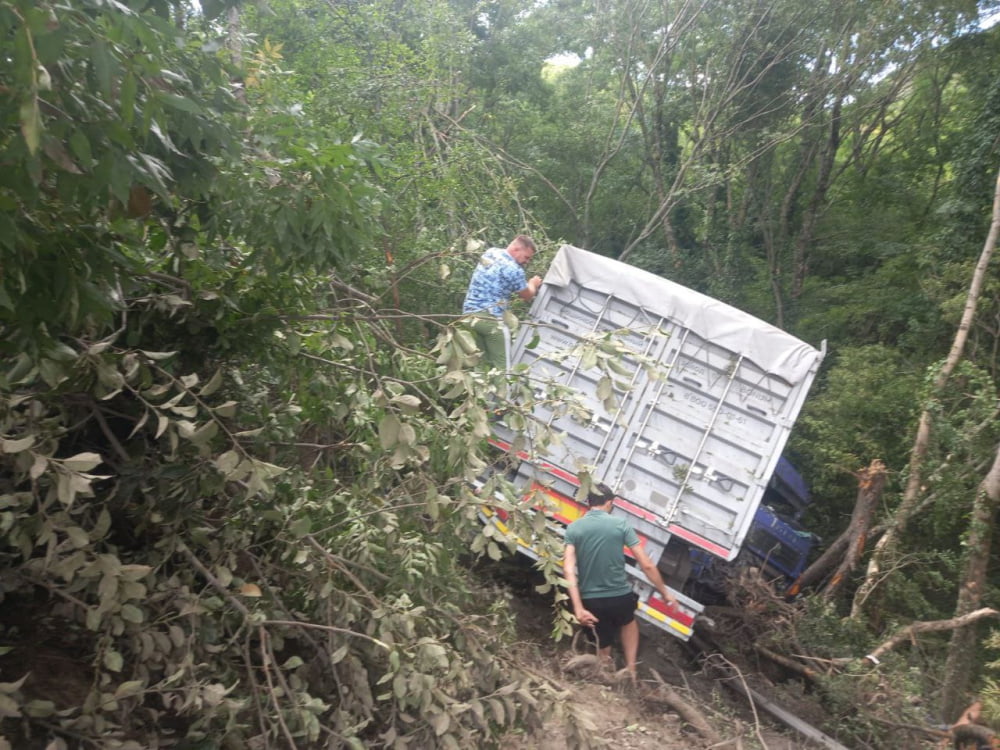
x=493, y=339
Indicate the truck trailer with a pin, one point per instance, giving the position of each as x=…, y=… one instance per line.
x=687, y=426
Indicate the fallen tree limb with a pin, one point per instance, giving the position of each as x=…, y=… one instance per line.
x=907, y=633
x=788, y=663
x=938, y=734
x=686, y=711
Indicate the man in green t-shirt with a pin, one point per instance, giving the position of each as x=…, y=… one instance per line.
x=594, y=566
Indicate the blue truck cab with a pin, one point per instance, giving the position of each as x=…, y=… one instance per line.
x=777, y=543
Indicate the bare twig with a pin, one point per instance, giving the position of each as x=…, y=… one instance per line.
x=266, y=657
x=213, y=581
x=734, y=671
x=327, y=628
x=112, y=440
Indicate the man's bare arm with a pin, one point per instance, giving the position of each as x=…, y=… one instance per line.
x=531, y=289
x=585, y=617
x=653, y=574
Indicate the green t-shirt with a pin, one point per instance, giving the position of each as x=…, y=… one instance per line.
x=600, y=539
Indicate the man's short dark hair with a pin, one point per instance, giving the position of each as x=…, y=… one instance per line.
x=599, y=494
x=526, y=242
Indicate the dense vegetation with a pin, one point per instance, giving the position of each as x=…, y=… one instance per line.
x=239, y=432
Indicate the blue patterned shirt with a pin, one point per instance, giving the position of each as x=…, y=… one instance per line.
x=495, y=279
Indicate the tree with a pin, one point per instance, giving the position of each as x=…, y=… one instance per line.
x=984, y=507
x=231, y=500
x=914, y=482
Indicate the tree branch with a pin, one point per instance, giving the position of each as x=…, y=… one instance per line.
x=932, y=626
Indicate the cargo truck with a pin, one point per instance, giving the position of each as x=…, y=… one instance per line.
x=687, y=427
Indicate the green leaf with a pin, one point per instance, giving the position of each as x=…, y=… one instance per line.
x=56, y=151
x=227, y=462
x=409, y=404
x=80, y=147
x=131, y=613
x=388, y=431
x=604, y=388
x=78, y=537
x=618, y=368
x=182, y=103
x=212, y=8
x=82, y=461
x=128, y=92
x=466, y=341
x=13, y=687
x=407, y=435
x=39, y=709
x=31, y=124
x=213, y=384
x=227, y=409
x=440, y=722
x=130, y=687
x=134, y=572
x=8, y=707
x=101, y=63
x=205, y=433
x=102, y=525
x=17, y=446
x=23, y=367
x=113, y=661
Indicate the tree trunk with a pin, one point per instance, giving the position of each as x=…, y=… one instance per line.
x=800, y=261
x=962, y=648
x=234, y=35
x=914, y=482
x=871, y=483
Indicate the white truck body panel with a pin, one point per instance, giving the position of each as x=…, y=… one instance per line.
x=690, y=449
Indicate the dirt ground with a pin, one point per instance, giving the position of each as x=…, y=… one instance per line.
x=629, y=718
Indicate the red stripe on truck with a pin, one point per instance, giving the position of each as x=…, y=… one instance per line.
x=700, y=541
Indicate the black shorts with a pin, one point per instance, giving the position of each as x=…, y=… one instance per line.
x=612, y=612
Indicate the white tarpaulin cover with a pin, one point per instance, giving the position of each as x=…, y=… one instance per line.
x=773, y=350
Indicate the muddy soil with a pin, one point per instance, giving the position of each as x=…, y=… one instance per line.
x=626, y=717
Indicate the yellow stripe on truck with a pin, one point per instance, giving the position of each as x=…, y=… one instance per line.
x=505, y=529
x=660, y=617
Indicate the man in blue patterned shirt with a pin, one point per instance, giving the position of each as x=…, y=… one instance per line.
x=498, y=276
